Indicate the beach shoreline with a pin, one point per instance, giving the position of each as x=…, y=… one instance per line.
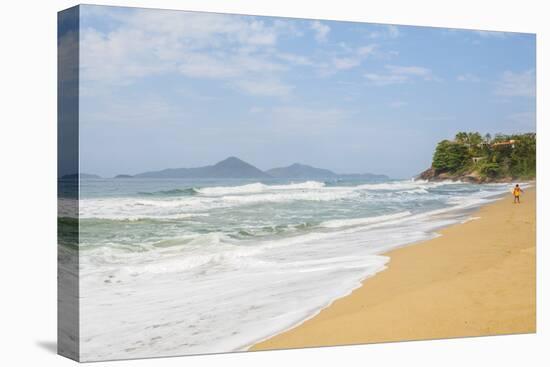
x=476, y=278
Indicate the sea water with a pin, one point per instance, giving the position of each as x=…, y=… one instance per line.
x=175, y=266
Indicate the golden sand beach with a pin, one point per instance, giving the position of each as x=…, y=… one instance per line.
x=477, y=278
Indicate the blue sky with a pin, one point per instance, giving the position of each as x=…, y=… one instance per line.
x=165, y=89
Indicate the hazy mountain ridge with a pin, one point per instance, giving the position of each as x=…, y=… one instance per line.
x=234, y=167
x=231, y=167
x=298, y=170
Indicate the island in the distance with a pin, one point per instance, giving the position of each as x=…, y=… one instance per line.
x=234, y=167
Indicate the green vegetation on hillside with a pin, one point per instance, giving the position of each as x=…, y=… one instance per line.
x=498, y=157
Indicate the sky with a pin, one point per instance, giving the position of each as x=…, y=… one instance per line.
x=167, y=89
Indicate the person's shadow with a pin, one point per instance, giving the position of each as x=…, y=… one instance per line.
x=50, y=346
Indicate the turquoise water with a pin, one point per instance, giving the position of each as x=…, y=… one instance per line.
x=203, y=266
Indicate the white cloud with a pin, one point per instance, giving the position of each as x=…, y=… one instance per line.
x=350, y=57
x=205, y=66
x=468, y=78
x=366, y=50
x=119, y=56
x=328, y=63
x=385, y=31
x=343, y=63
x=520, y=84
x=239, y=50
x=294, y=59
x=201, y=28
x=410, y=70
x=401, y=74
x=226, y=65
x=233, y=48
x=385, y=79
x=321, y=30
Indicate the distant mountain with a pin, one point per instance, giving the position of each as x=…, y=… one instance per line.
x=231, y=167
x=82, y=176
x=304, y=171
x=298, y=170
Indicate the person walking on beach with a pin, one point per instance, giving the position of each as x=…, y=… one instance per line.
x=517, y=192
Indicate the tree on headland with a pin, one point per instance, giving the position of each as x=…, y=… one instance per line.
x=450, y=156
x=471, y=140
x=500, y=157
x=474, y=139
x=461, y=137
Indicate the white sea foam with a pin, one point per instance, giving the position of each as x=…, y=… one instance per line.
x=258, y=188
x=258, y=286
x=339, y=223
x=185, y=206
x=192, y=286
x=405, y=185
x=209, y=198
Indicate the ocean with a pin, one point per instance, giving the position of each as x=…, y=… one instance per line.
x=177, y=266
